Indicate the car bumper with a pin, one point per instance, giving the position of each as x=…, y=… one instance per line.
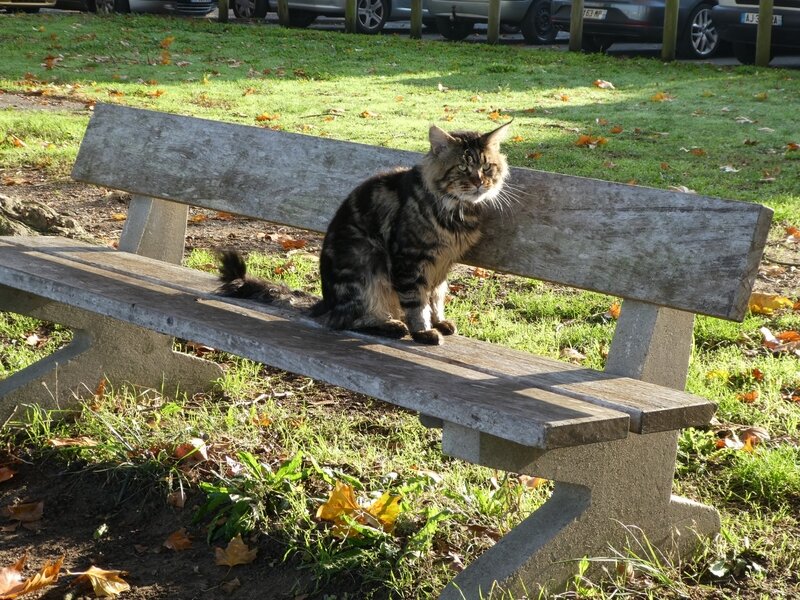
x=730, y=22
x=620, y=20
x=179, y=7
x=478, y=10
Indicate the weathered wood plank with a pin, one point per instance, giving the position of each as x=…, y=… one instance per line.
x=178, y=301
x=628, y=241
x=498, y=379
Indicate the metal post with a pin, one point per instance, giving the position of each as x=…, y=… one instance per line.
x=764, y=32
x=670, y=40
x=416, y=19
x=222, y=7
x=576, y=26
x=493, y=27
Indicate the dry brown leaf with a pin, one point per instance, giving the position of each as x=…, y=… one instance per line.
x=267, y=117
x=81, y=441
x=591, y=141
x=292, y=244
x=236, y=553
x=662, y=97
x=749, y=397
x=192, y=452
x=532, y=482
x=603, y=84
x=12, y=585
x=27, y=512
x=6, y=473
x=617, y=129
x=104, y=583
x=177, y=498
x=178, y=540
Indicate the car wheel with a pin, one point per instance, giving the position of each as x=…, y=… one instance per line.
x=536, y=26
x=595, y=43
x=300, y=19
x=701, y=38
x=371, y=15
x=101, y=7
x=250, y=9
x=746, y=53
x=454, y=29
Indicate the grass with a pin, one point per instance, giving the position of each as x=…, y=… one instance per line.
x=285, y=439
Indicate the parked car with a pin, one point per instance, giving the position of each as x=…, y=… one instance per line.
x=737, y=22
x=29, y=6
x=455, y=19
x=607, y=22
x=179, y=7
x=372, y=14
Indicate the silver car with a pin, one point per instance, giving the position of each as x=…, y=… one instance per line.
x=455, y=19
x=178, y=7
x=372, y=14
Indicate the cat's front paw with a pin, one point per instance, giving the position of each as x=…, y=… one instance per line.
x=445, y=327
x=428, y=336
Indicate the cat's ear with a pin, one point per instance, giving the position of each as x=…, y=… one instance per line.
x=496, y=137
x=439, y=139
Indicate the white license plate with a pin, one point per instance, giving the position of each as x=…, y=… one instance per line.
x=752, y=19
x=594, y=13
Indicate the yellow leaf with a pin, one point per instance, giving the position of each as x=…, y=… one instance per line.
x=386, y=510
x=236, y=553
x=104, y=583
x=166, y=42
x=81, y=441
x=166, y=57
x=614, y=310
x=341, y=501
x=662, y=97
x=766, y=304
x=118, y=217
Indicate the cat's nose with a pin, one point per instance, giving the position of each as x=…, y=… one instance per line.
x=476, y=181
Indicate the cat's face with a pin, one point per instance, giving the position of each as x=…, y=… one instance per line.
x=466, y=165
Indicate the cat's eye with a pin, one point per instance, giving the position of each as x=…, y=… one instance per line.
x=487, y=168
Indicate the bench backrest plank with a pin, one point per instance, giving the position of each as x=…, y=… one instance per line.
x=634, y=242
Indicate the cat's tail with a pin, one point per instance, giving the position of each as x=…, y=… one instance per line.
x=235, y=282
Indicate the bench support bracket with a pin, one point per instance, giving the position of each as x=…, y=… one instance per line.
x=101, y=348
x=607, y=496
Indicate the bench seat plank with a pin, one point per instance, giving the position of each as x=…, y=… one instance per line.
x=514, y=395
x=628, y=241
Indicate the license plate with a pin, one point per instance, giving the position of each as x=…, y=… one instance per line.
x=752, y=19
x=594, y=13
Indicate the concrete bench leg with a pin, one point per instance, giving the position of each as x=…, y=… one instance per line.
x=607, y=495
x=101, y=348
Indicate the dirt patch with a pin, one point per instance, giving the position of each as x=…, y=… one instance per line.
x=111, y=522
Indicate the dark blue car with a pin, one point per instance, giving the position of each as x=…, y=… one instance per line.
x=605, y=23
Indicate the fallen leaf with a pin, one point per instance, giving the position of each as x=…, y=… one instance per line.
x=534, y=155
x=614, y=310
x=368, y=114
x=230, y=586
x=603, y=84
x=267, y=117
x=6, y=473
x=766, y=304
x=27, y=512
x=292, y=244
x=788, y=336
x=591, y=141
x=754, y=436
x=572, y=355
x=662, y=97
x=235, y=553
x=532, y=482
x=104, y=583
x=166, y=42
x=749, y=397
x=792, y=146
x=118, y=217
x=177, y=498
x=616, y=129
x=12, y=585
x=178, y=540
x=80, y=441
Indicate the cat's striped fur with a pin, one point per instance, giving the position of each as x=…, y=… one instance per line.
x=388, y=249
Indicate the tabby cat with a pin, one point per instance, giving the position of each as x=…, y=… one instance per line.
x=388, y=249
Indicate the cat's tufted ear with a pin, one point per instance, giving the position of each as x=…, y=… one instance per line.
x=439, y=139
x=496, y=137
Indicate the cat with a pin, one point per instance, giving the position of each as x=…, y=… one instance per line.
x=390, y=245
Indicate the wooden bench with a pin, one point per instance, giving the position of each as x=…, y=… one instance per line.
x=608, y=439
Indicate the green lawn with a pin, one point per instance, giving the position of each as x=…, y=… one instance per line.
x=724, y=131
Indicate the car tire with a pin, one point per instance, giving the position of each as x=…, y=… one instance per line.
x=593, y=44
x=454, y=29
x=122, y=6
x=746, y=53
x=700, y=38
x=300, y=19
x=537, y=27
x=371, y=15
x=250, y=9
